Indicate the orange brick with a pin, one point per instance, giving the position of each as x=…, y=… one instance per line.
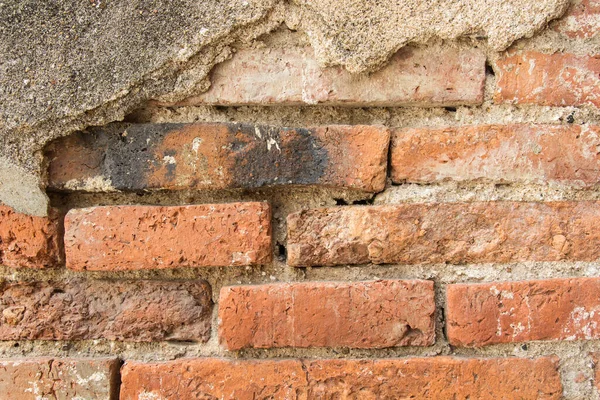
x=219, y=156
x=28, y=242
x=581, y=21
x=67, y=378
x=506, y=312
x=134, y=311
x=435, y=378
x=565, y=154
x=433, y=76
x=148, y=237
x=445, y=233
x=328, y=314
x=211, y=378
x=560, y=79
x=422, y=378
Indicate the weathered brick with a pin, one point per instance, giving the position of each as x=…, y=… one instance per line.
x=432, y=76
x=59, y=379
x=328, y=314
x=506, y=312
x=150, y=237
x=211, y=378
x=430, y=378
x=27, y=241
x=435, y=378
x=565, y=154
x=560, y=79
x=445, y=233
x=139, y=311
x=219, y=156
x=581, y=21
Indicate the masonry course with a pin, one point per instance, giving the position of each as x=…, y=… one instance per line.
x=219, y=156
x=328, y=314
x=125, y=310
x=152, y=237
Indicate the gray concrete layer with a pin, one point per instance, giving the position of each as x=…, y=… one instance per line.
x=72, y=64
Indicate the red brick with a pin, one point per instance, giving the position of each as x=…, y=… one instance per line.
x=28, y=242
x=328, y=314
x=61, y=379
x=211, y=378
x=138, y=311
x=560, y=79
x=581, y=21
x=499, y=153
x=147, y=237
x=435, y=378
x=219, y=156
x=506, y=312
x=421, y=378
x=432, y=76
x=445, y=233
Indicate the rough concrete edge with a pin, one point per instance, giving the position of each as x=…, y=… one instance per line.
x=21, y=190
x=25, y=190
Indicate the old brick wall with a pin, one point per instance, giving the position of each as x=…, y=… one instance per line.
x=428, y=230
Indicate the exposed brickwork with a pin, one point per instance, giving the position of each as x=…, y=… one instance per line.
x=582, y=21
x=445, y=233
x=560, y=79
x=139, y=311
x=219, y=156
x=149, y=237
x=414, y=77
x=28, y=242
x=60, y=379
x=431, y=378
x=213, y=378
x=498, y=153
x=328, y=314
x=276, y=170
x=504, y=312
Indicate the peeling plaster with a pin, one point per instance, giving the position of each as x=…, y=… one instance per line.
x=72, y=64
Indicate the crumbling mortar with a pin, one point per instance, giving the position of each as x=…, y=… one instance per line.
x=574, y=355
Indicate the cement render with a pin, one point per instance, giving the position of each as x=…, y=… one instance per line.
x=575, y=361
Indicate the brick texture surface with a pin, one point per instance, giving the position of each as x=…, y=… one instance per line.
x=505, y=312
x=149, y=237
x=560, y=79
x=138, y=311
x=565, y=154
x=328, y=314
x=413, y=77
x=213, y=378
x=219, y=156
x=445, y=233
x=28, y=242
x=582, y=21
x=59, y=379
x=431, y=378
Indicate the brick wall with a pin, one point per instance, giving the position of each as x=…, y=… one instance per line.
x=429, y=230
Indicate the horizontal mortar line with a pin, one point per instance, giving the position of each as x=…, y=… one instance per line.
x=562, y=349
x=441, y=273
x=481, y=115
x=188, y=197
x=394, y=193
x=402, y=194
x=480, y=271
